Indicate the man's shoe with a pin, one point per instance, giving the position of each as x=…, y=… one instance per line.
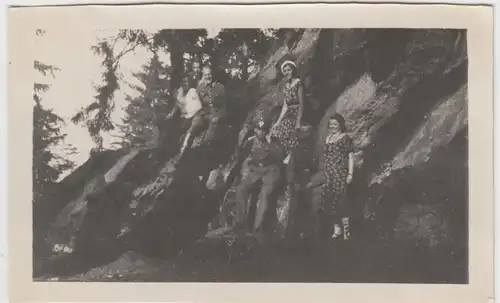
x=345, y=223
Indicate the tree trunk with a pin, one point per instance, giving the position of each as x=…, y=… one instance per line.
x=244, y=61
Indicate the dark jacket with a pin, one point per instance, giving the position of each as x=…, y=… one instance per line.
x=213, y=96
x=265, y=153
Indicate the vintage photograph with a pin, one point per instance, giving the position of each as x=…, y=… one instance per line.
x=333, y=155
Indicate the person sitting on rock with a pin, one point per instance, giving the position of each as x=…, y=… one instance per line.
x=212, y=96
x=188, y=103
x=290, y=119
x=263, y=163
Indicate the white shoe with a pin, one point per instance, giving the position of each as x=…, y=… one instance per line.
x=337, y=231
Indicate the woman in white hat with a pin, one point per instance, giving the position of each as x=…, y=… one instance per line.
x=289, y=121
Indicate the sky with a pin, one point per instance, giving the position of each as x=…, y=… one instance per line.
x=72, y=88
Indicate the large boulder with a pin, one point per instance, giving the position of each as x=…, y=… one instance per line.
x=383, y=103
x=427, y=178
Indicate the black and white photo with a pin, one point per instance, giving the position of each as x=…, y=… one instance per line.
x=259, y=155
x=323, y=156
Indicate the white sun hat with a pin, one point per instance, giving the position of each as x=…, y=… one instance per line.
x=286, y=63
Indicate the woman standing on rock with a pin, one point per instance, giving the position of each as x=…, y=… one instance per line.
x=337, y=175
x=289, y=121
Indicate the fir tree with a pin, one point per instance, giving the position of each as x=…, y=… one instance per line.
x=138, y=126
x=97, y=115
x=47, y=135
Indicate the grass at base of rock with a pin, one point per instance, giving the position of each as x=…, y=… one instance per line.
x=245, y=259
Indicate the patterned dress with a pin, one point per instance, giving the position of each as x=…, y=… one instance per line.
x=336, y=171
x=285, y=131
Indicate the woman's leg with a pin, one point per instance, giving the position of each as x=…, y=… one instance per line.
x=344, y=215
x=332, y=210
x=196, y=125
x=326, y=214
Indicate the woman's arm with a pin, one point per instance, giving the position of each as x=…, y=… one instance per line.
x=300, y=93
x=351, y=163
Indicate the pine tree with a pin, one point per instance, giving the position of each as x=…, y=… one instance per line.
x=138, y=125
x=47, y=135
x=97, y=116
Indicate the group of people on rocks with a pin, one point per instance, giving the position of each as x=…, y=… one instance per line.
x=277, y=149
x=200, y=105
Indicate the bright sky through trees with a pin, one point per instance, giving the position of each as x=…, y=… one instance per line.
x=72, y=87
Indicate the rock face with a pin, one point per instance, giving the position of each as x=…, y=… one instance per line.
x=404, y=96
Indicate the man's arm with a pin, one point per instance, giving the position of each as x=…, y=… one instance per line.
x=316, y=179
x=200, y=90
x=248, y=142
x=221, y=96
x=174, y=111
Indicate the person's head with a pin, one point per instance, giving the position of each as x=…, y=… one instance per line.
x=305, y=132
x=187, y=83
x=288, y=69
x=260, y=129
x=196, y=68
x=207, y=73
x=336, y=124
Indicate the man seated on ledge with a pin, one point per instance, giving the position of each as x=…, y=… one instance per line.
x=213, y=100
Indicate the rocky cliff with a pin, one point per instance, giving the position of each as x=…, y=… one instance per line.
x=404, y=96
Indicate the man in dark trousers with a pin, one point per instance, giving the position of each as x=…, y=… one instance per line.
x=264, y=163
x=315, y=186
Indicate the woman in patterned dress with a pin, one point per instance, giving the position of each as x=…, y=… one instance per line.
x=289, y=121
x=337, y=175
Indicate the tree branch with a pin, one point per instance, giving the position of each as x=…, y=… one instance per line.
x=132, y=48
